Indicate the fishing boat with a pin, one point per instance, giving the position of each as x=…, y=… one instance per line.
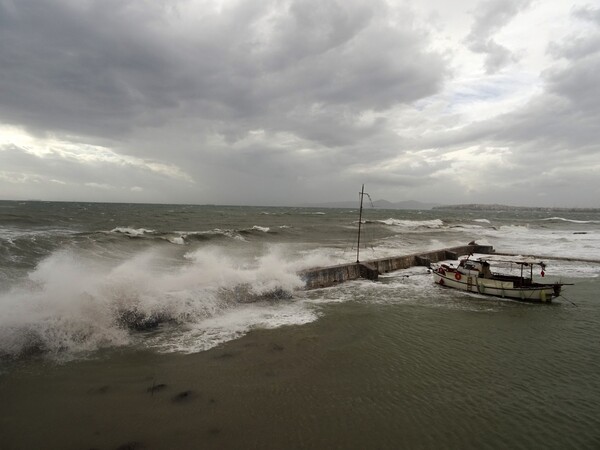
x=475, y=275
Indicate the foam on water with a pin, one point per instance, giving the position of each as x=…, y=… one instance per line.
x=569, y=220
x=413, y=224
x=178, y=240
x=132, y=232
x=73, y=303
x=231, y=324
x=100, y=288
x=547, y=242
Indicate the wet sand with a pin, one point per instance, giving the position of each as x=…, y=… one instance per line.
x=269, y=389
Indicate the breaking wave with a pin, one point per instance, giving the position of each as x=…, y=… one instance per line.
x=183, y=237
x=73, y=303
x=413, y=224
x=132, y=232
x=562, y=219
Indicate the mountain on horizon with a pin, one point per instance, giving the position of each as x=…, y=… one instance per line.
x=380, y=204
x=499, y=207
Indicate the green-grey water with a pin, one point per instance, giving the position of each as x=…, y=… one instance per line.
x=400, y=363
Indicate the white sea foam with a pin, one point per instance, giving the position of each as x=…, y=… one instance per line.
x=321, y=257
x=413, y=224
x=551, y=242
x=481, y=220
x=73, y=303
x=259, y=228
x=570, y=220
x=178, y=240
x=232, y=324
x=133, y=232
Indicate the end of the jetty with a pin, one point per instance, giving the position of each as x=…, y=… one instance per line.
x=320, y=277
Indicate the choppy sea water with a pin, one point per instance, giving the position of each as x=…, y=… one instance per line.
x=101, y=302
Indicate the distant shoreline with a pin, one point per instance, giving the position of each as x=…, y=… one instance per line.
x=496, y=207
x=379, y=204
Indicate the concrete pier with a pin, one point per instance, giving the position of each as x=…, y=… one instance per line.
x=329, y=276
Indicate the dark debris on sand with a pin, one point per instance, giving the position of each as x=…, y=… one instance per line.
x=183, y=396
x=156, y=388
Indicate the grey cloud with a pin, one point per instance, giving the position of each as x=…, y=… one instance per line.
x=279, y=102
x=105, y=68
x=497, y=56
x=166, y=82
x=551, y=148
x=173, y=83
x=565, y=115
x=77, y=68
x=491, y=16
x=578, y=82
x=580, y=45
x=588, y=13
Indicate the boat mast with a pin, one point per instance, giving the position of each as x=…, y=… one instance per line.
x=362, y=194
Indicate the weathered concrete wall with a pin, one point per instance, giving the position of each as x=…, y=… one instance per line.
x=329, y=276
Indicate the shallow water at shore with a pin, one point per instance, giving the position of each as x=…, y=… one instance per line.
x=455, y=371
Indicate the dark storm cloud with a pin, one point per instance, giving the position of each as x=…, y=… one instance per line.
x=188, y=83
x=105, y=68
x=287, y=101
x=490, y=17
x=67, y=68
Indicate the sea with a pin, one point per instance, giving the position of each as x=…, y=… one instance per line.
x=136, y=326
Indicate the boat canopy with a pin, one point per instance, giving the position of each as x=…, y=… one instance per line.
x=516, y=259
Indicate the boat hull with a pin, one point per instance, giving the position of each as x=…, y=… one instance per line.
x=496, y=288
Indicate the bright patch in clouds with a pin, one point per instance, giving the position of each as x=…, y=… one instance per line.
x=81, y=153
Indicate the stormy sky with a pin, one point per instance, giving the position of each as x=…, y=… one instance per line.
x=282, y=102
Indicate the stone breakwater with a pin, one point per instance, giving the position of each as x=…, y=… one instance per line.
x=320, y=277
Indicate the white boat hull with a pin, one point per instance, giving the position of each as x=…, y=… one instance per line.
x=497, y=288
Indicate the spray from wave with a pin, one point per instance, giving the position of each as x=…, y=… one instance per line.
x=73, y=303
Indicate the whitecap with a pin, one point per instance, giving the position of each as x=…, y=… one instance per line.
x=570, y=220
x=413, y=224
x=133, y=232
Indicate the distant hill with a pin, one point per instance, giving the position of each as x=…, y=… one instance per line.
x=496, y=207
x=380, y=204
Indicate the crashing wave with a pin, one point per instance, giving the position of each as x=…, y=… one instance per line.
x=71, y=303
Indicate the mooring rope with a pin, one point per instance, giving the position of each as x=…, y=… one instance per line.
x=572, y=302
